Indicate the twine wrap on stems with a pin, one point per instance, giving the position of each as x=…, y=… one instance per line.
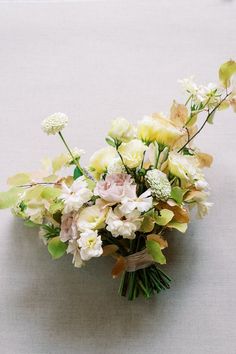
x=138, y=260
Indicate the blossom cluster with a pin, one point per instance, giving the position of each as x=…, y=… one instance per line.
x=131, y=192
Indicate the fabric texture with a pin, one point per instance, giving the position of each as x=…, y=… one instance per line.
x=96, y=60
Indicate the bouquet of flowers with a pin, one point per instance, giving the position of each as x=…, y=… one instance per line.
x=131, y=194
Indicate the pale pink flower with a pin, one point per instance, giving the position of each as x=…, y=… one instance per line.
x=69, y=228
x=116, y=187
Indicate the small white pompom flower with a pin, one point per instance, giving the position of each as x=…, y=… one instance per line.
x=54, y=123
x=159, y=184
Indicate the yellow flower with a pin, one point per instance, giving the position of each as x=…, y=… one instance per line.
x=158, y=128
x=147, y=129
x=121, y=130
x=92, y=218
x=167, y=132
x=132, y=153
x=100, y=160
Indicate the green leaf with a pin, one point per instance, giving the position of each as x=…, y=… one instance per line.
x=147, y=224
x=56, y=206
x=177, y=194
x=110, y=141
x=77, y=173
x=50, y=193
x=9, y=199
x=56, y=247
x=226, y=71
x=154, y=250
x=18, y=179
x=182, y=227
x=164, y=218
x=30, y=223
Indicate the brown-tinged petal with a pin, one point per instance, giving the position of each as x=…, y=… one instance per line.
x=109, y=250
x=204, y=160
x=178, y=114
x=119, y=267
x=163, y=243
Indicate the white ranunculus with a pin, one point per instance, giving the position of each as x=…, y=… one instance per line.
x=54, y=123
x=90, y=245
x=75, y=196
x=141, y=203
x=120, y=224
x=121, y=130
x=132, y=153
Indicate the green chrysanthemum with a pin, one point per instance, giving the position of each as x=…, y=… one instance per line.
x=159, y=184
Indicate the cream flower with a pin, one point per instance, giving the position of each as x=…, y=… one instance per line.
x=120, y=224
x=132, y=153
x=54, y=123
x=101, y=159
x=91, y=217
x=141, y=203
x=183, y=166
x=115, y=187
x=90, y=245
x=75, y=196
x=121, y=130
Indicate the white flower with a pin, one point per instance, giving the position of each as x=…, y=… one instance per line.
x=54, y=123
x=73, y=248
x=141, y=203
x=201, y=184
x=207, y=95
x=189, y=85
x=121, y=130
x=120, y=224
x=132, y=153
x=90, y=245
x=76, y=195
x=203, y=208
x=116, y=166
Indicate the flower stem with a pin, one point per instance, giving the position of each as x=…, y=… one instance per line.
x=204, y=123
x=70, y=152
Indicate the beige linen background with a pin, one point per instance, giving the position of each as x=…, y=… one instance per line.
x=96, y=60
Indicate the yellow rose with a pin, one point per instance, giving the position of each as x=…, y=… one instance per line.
x=132, y=153
x=100, y=160
x=121, y=130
